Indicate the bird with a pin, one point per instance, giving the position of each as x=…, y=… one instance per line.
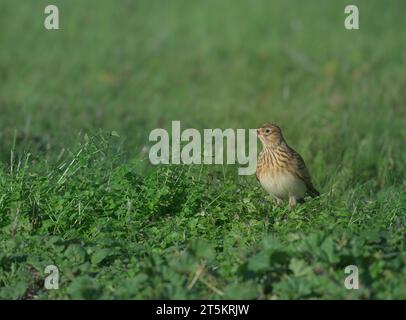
x=280, y=170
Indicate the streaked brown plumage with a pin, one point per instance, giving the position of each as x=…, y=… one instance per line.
x=280, y=169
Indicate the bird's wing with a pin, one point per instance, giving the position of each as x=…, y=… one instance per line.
x=298, y=167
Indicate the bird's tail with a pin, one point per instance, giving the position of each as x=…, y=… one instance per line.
x=312, y=191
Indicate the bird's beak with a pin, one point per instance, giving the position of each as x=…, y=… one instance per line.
x=257, y=131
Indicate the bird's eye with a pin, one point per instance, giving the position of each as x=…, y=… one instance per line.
x=267, y=130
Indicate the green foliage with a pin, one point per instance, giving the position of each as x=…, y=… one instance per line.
x=173, y=232
x=120, y=228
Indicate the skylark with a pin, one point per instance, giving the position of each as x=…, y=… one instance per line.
x=280, y=169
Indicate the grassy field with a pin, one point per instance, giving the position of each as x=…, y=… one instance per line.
x=76, y=196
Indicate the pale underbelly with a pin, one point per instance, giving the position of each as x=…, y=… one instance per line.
x=283, y=185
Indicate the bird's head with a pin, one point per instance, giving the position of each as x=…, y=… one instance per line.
x=270, y=134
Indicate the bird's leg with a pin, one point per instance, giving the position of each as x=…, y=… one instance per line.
x=276, y=201
x=292, y=201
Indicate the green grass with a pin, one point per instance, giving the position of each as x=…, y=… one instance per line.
x=75, y=196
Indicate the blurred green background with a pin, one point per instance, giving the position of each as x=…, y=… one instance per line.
x=132, y=66
x=117, y=231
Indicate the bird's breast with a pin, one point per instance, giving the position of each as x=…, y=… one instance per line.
x=282, y=184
